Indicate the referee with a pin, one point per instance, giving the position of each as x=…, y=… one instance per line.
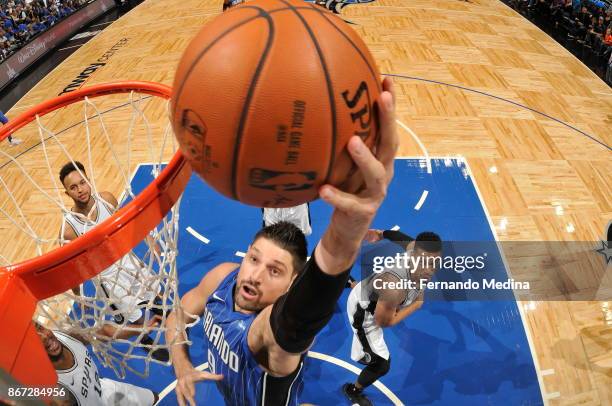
x=372, y=306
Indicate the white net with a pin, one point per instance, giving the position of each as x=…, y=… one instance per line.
x=122, y=142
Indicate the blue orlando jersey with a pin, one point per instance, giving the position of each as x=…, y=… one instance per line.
x=244, y=382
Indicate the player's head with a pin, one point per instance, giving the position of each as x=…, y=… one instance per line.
x=77, y=186
x=53, y=346
x=428, y=245
x=275, y=257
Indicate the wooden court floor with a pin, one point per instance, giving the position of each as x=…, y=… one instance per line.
x=475, y=78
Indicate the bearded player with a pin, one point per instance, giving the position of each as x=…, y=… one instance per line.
x=261, y=316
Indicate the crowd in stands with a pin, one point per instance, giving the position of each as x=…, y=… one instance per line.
x=21, y=20
x=583, y=27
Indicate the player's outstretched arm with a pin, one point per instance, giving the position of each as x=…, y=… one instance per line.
x=355, y=209
x=288, y=328
x=193, y=303
x=109, y=332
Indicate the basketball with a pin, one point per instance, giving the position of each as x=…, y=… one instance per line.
x=266, y=97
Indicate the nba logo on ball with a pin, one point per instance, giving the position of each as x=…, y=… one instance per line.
x=266, y=97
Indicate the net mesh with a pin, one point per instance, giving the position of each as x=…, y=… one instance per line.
x=123, y=310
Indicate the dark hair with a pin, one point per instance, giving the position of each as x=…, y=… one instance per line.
x=428, y=242
x=288, y=237
x=68, y=168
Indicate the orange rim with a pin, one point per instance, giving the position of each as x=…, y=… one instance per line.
x=23, y=284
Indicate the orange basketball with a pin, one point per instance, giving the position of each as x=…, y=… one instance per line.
x=266, y=97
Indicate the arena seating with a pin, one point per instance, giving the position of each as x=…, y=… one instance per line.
x=583, y=27
x=22, y=20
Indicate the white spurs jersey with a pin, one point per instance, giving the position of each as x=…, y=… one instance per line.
x=127, y=282
x=82, y=379
x=80, y=224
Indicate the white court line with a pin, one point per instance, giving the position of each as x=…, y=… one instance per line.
x=240, y=254
x=106, y=23
x=418, y=141
x=86, y=34
x=197, y=235
x=316, y=355
x=552, y=395
x=548, y=372
x=341, y=363
x=421, y=200
x=74, y=46
x=427, y=160
x=520, y=308
x=171, y=387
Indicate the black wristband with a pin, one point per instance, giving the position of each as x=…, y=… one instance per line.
x=305, y=309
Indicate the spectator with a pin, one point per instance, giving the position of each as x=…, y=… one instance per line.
x=66, y=10
x=583, y=21
x=579, y=25
x=3, y=36
x=20, y=20
x=568, y=8
x=42, y=11
x=608, y=36
x=4, y=50
x=8, y=23
x=38, y=26
x=51, y=19
x=556, y=7
x=23, y=33
x=29, y=12
x=598, y=27
x=20, y=16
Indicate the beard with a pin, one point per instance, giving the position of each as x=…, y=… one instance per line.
x=248, y=305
